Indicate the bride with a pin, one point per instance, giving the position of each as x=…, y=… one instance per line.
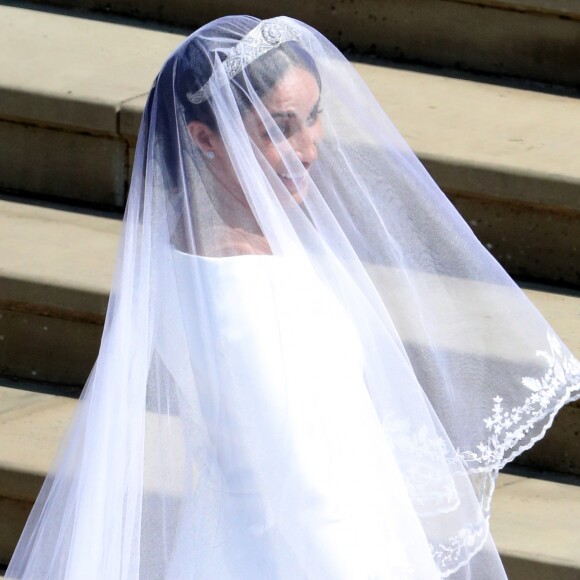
x=310, y=367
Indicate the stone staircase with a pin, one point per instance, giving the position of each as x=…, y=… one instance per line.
x=529, y=39
x=506, y=153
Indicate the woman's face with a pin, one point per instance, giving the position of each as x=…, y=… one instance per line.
x=294, y=106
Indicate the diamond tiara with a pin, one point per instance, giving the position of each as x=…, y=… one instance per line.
x=264, y=37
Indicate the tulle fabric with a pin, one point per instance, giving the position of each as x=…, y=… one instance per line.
x=310, y=368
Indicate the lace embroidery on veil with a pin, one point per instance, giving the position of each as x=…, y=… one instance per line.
x=507, y=427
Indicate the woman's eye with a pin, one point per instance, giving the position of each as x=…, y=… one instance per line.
x=313, y=117
x=285, y=129
x=279, y=130
x=273, y=133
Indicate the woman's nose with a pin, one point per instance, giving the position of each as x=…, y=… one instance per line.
x=306, y=145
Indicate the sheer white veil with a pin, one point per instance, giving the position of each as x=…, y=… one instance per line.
x=310, y=367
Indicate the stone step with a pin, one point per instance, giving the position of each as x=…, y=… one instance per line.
x=31, y=425
x=530, y=39
x=55, y=273
x=534, y=522
x=535, y=525
x=60, y=131
x=48, y=281
x=507, y=157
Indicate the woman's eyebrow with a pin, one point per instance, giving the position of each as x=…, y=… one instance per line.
x=292, y=114
x=286, y=114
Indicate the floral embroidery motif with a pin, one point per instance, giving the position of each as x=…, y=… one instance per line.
x=427, y=463
x=509, y=426
x=452, y=554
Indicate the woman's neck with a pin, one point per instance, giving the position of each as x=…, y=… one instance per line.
x=239, y=232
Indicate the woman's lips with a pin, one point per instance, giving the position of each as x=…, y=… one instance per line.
x=294, y=183
x=289, y=176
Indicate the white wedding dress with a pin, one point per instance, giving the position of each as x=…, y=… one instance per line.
x=338, y=410
x=306, y=475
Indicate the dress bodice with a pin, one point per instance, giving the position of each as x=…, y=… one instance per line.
x=277, y=339
x=301, y=454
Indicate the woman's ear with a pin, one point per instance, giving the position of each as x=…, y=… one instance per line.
x=204, y=137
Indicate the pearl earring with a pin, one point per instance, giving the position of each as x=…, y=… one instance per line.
x=210, y=154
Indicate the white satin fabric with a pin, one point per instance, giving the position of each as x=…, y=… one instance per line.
x=290, y=394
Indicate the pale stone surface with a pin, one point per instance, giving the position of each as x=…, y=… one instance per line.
x=55, y=274
x=31, y=427
x=499, y=130
x=536, y=39
x=478, y=139
x=562, y=311
x=447, y=117
x=58, y=163
x=56, y=250
x=536, y=520
x=74, y=72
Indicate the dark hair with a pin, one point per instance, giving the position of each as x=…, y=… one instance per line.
x=189, y=69
x=262, y=75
